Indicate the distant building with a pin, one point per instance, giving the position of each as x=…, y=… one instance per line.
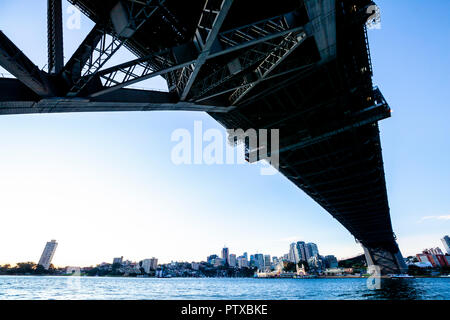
x=195, y=266
x=242, y=262
x=331, y=262
x=73, y=270
x=218, y=262
x=311, y=250
x=293, y=255
x=446, y=243
x=297, y=252
x=225, y=254
x=434, y=251
x=211, y=258
x=267, y=262
x=149, y=265
x=436, y=260
x=259, y=261
x=118, y=260
x=232, y=260
x=301, y=248
x=252, y=262
x=47, y=255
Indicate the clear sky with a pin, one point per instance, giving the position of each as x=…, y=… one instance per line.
x=104, y=184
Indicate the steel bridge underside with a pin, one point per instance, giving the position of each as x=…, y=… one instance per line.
x=302, y=66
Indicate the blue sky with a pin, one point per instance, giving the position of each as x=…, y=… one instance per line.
x=104, y=184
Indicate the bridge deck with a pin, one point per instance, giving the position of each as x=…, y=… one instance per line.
x=301, y=66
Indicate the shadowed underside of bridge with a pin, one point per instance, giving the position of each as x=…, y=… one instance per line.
x=300, y=66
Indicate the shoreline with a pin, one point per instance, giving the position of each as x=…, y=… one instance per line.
x=296, y=278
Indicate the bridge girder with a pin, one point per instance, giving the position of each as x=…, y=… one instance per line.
x=271, y=68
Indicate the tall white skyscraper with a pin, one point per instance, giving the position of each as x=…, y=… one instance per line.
x=297, y=252
x=446, y=242
x=47, y=255
x=293, y=253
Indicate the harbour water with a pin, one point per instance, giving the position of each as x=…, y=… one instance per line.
x=100, y=288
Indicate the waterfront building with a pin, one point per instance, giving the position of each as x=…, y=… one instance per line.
x=301, y=251
x=316, y=263
x=242, y=262
x=195, y=266
x=331, y=262
x=259, y=261
x=446, y=242
x=225, y=254
x=118, y=260
x=252, y=262
x=211, y=258
x=293, y=256
x=426, y=256
x=311, y=250
x=149, y=264
x=297, y=252
x=73, y=270
x=267, y=263
x=232, y=260
x=434, y=251
x=218, y=262
x=47, y=255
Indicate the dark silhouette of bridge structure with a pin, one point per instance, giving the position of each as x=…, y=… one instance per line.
x=300, y=66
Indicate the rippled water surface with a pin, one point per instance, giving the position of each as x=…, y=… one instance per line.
x=46, y=288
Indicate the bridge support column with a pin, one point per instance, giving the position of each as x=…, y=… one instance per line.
x=388, y=259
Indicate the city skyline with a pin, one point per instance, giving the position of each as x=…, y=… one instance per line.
x=298, y=251
x=104, y=183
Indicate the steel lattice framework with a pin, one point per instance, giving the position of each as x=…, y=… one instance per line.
x=300, y=66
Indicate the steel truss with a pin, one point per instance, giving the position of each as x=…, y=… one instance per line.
x=103, y=41
x=181, y=60
x=269, y=64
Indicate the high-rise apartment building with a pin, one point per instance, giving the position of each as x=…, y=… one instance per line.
x=259, y=261
x=311, y=250
x=446, y=242
x=47, y=255
x=118, y=260
x=232, y=260
x=225, y=254
x=149, y=264
x=267, y=262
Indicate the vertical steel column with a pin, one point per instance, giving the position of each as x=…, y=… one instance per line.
x=55, y=36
